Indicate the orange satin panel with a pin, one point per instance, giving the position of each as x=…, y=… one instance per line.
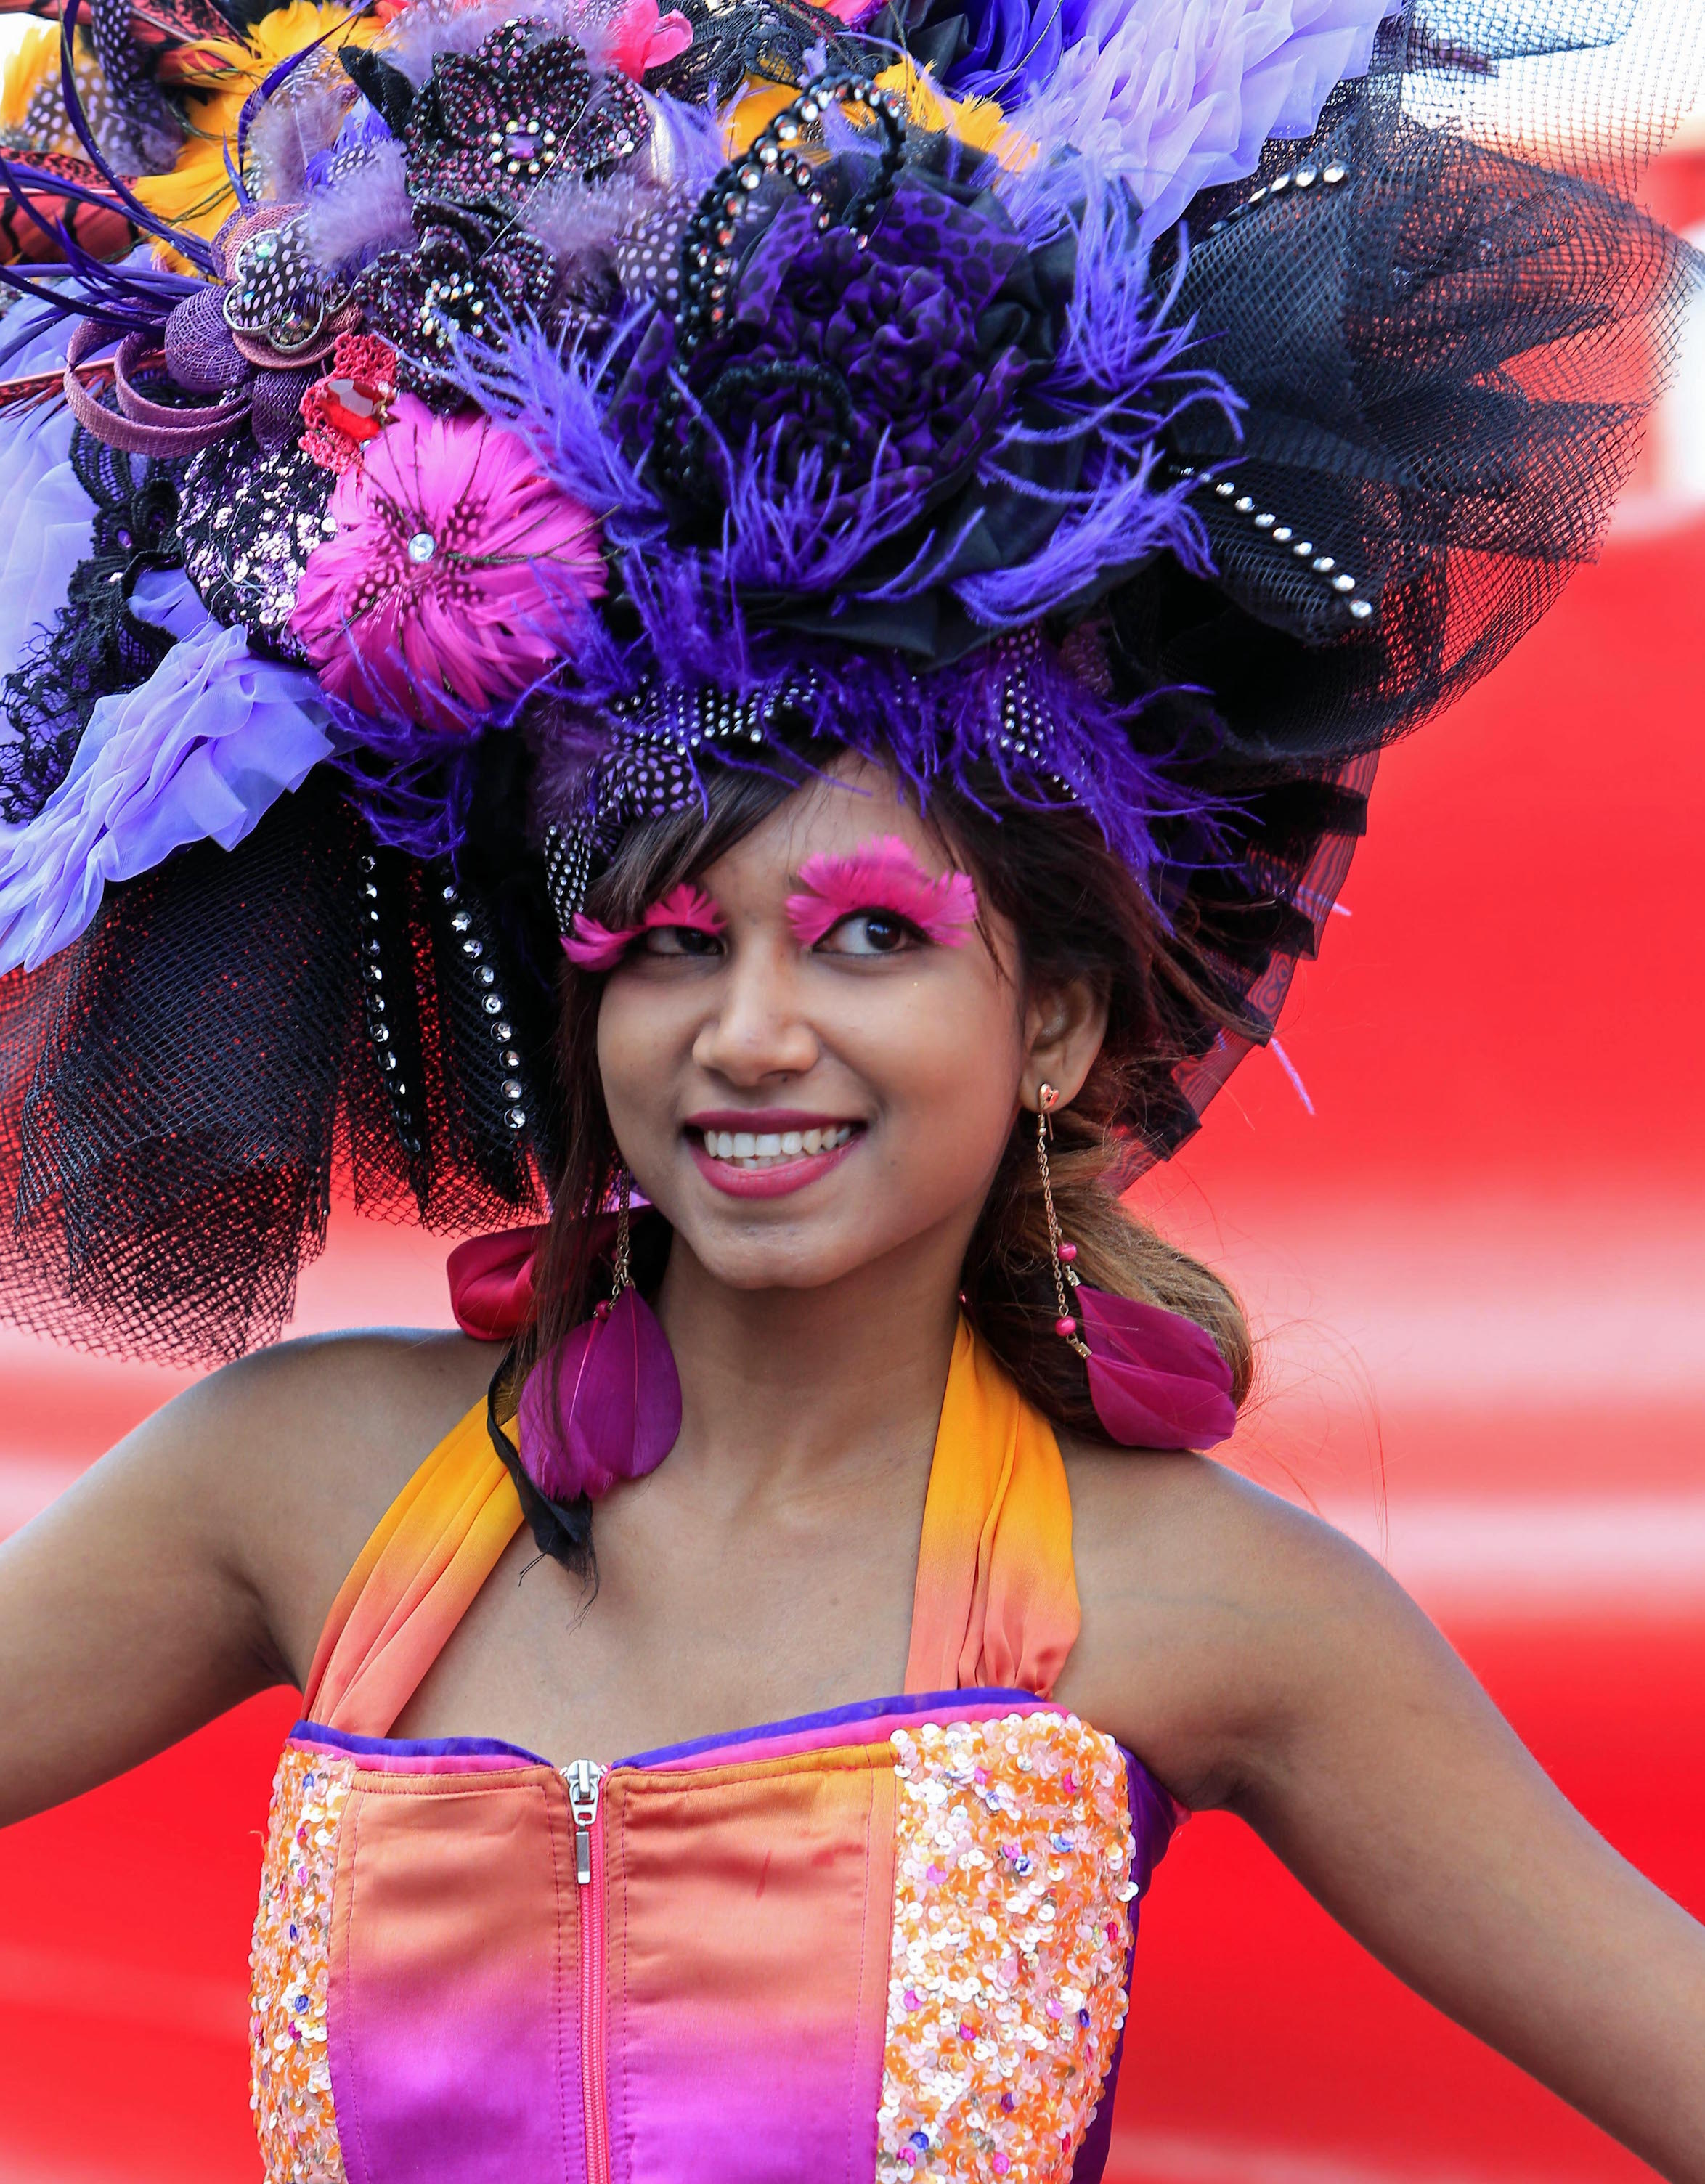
x=415, y=1579
x=996, y=1601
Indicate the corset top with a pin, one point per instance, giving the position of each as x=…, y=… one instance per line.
x=889, y=1941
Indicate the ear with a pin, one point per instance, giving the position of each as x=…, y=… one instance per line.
x=1064, y=1027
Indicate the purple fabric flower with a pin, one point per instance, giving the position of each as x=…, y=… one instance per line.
x=488, y=125
x=456, y=576
x=856, y=363
x=198, y=752
x=839, y=434
x=466, y=275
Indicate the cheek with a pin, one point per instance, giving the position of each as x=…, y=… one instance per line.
x=946, y=1056
x=638, y=1044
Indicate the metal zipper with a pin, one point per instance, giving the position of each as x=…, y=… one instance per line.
x=584, y=1779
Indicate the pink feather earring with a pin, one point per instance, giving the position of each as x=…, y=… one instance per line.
x=607, y=1404
x=1156, y=1380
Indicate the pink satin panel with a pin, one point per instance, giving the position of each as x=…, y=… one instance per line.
x=750, y=1915
x=454, y=2025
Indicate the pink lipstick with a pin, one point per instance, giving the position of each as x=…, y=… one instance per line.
x=768, y=1152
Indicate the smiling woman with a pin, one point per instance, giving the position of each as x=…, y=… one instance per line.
x=681, y=625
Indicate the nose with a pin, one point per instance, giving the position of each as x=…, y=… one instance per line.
x=756, y=1031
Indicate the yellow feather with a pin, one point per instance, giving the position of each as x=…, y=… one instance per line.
x=196, y=194
x=33, y=59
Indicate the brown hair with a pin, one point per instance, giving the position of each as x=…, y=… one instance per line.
x=1078, y=915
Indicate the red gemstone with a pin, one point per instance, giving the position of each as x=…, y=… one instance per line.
x=1067, y=1326
x=1068, y=1253
x=604, y=1309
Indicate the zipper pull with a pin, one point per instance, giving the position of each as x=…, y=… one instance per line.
x=583, y=1778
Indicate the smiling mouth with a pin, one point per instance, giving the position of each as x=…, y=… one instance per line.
x=755, y=1150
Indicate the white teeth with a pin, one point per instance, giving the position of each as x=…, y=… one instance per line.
x=759, y=1150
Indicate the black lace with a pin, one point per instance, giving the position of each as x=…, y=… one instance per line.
x=95, y=645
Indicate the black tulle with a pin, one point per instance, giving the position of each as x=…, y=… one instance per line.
x=179, y=1087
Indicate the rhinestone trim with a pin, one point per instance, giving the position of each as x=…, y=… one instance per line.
x=1266, y=520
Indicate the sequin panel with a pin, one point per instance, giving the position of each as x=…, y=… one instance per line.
x=290, y=2079
x=1012, y=1875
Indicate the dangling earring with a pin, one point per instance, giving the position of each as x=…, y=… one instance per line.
x=1156, y=1380
x=621, y=1265
x=1061, y=1255
x=607, y=1404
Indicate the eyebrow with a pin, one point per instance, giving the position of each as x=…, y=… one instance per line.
x=883, y=874
x=595, y=947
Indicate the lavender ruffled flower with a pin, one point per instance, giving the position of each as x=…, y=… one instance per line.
x=46, y=517
x=198, y=752
x=1179, y=96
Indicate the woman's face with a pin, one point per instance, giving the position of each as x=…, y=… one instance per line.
x=822, y=1083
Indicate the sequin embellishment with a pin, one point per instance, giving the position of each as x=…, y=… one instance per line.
x=289, y=2078
x=1011, y=1935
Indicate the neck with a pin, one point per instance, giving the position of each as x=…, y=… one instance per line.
x=791, y=1390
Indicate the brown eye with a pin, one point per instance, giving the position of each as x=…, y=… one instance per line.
x=871, y=933
x=680, y=941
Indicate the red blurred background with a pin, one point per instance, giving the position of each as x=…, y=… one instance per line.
x=1479, y=1266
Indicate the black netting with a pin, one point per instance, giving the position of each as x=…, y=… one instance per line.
x=1447, y=353
x=177, y=1088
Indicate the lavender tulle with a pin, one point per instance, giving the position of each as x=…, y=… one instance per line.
x=46, y=517
x=198, y=752
x=607, y=1406
x=1175, y=96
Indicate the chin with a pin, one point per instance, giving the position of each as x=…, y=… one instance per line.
x=751, y=1262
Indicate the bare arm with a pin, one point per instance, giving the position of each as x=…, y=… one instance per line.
x=194, y=1564
x=1288, y=1678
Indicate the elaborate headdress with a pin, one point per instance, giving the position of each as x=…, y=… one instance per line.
x=439, y=435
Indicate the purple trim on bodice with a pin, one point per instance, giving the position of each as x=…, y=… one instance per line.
x=1155, y=1818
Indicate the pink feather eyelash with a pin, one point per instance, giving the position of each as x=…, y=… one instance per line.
x=595, y=947
x=883, y=875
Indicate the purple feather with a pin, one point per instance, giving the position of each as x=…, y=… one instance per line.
x=1157, y=1380
x=605, y=1406
x=280, y=72
x=556, y=395
x=352, y=219
x=191, y=246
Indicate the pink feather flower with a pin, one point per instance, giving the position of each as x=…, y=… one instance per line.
x=455, y=575
x=638, y=37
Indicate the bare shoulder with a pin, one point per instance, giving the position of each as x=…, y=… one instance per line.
x=295, y=1453
x=1212, y=1611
